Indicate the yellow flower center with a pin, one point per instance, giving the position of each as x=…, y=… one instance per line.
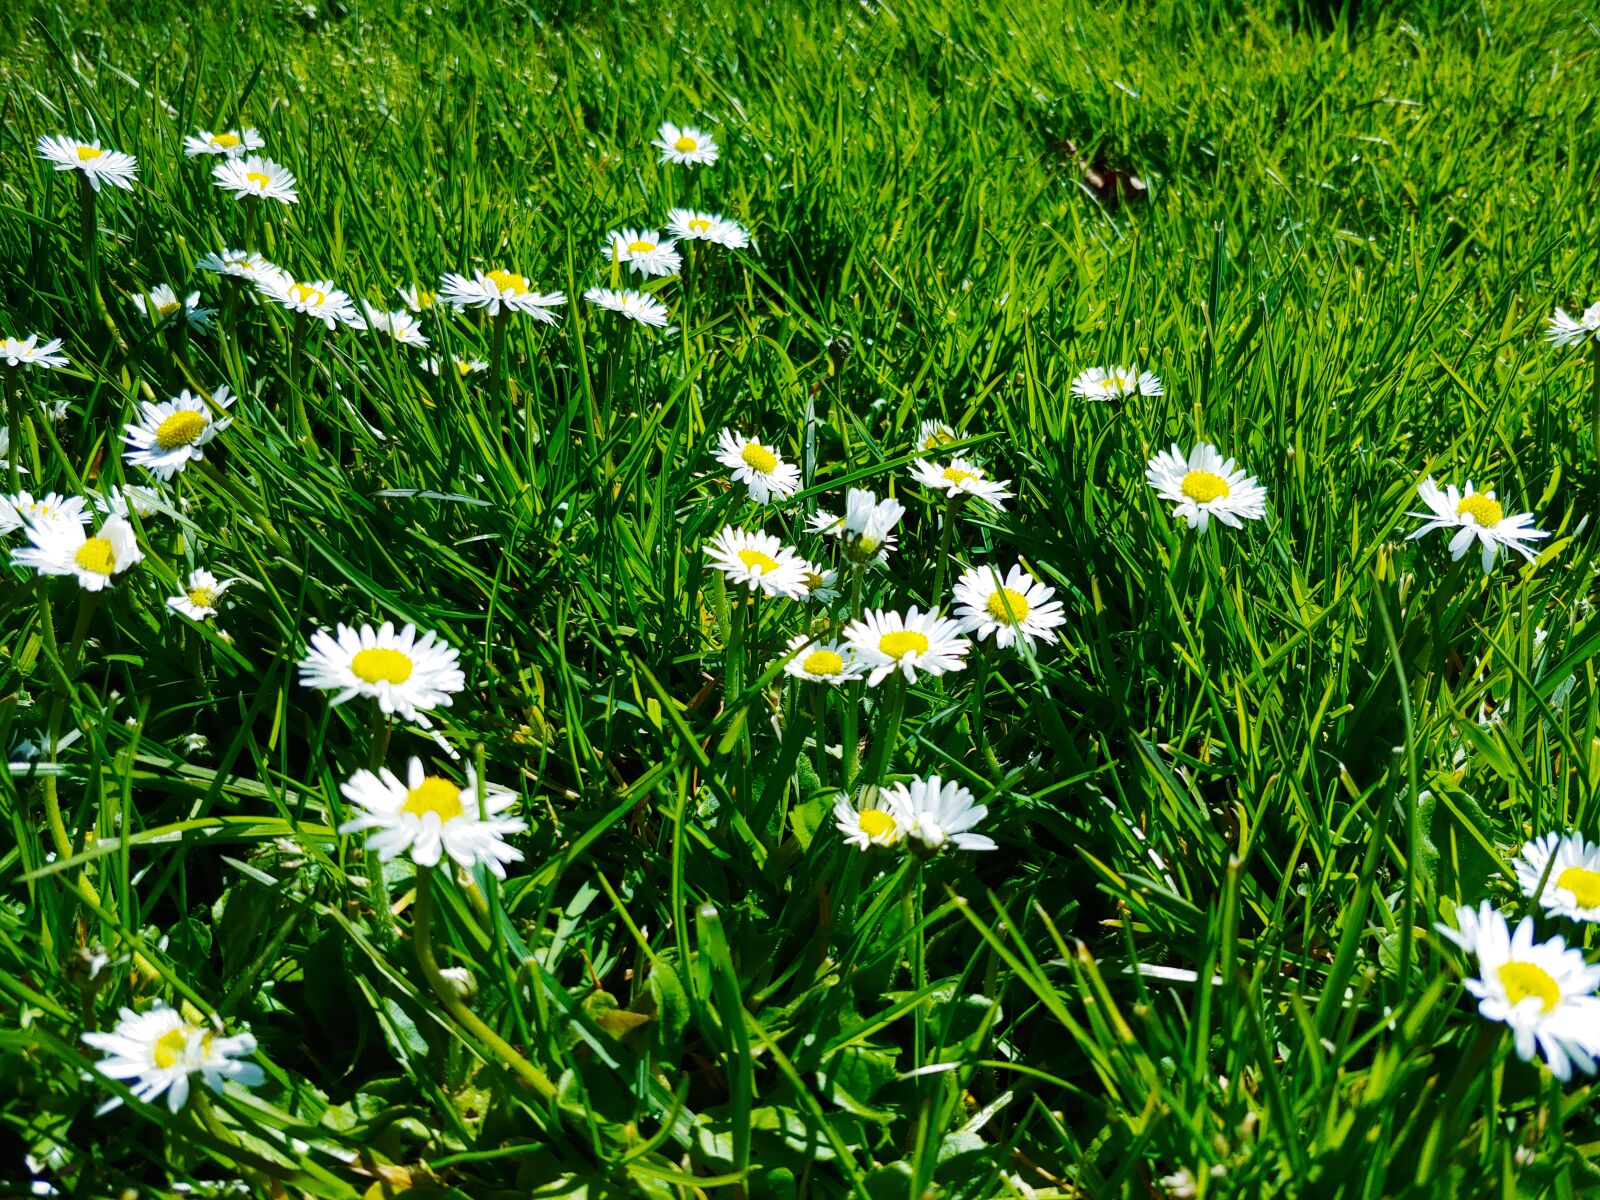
x=226, y=140
x=957, y=476
x=425, y=299
x=1584, y=885
x=434, y=795
x=640, y=247
x=902, y=642
x=699, y=225
x=1006, y=605
x=1485, y=510
x=822, y=662
x=758, y=562
x=96, y=555
x=936, y=439
x=170, y=1046
x=463, y=366
x=508, y=282
x=382, y=665
x=877, y=824
x=203, y=597
x=1116, y=383
x=180, y=429
x=1524, y=979
x=759, y=457
x=304, y=293
x=684, y=144
x=1205, y=486
x=89, y=153
x=259, y=178
x=167, y=309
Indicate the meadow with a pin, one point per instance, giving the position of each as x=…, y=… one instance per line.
x=649, y=614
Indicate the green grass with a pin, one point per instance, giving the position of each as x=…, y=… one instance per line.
x=1255, y=755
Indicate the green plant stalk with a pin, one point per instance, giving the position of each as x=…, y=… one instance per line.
x=297, y=349
x=946, y=540
x=1594, y=390
x=89, y=228
x=14, y=433
x=497, y=355
x=887, y=731
x=422, y=932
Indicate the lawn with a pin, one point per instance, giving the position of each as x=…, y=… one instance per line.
x=1078, y=814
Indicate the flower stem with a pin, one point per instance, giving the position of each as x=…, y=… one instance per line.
x=890, y=710
x=452, y=1001
x=1594, y=420
x=87, y=198
x=497, y=354
x=297, y=349
x=946, y=538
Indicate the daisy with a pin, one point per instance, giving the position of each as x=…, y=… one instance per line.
x=5, y=453
x=888, y=642
x=170, y=435
x=686, y=146
x=29, y=352
x=97, y=165
x=820, y=661
x=1206, y=485
x=1477, y=515
x=935, y=814
x=121, y=501
x=496, y=289
x=430, y=816
x=320, y=300
x=756, y=466
x=256, y=178
x=241, y=264
x=1018, y=609
x=158, y=1051
x=644, y=252
x=418, y=300
x=1565, y=330
x=401, y=326
x=199, y=599
x=464, y=366
x=876, y=824
x=161, y=305
x=24, y=509
x=62, y=547
x=759, y=561
x=692, y=226
x=934, y=435
x=233, y=144
x=825, y=523
x=962, y=477
x=636, y=306
x=1543, y=990
x=822, y=584
x=402, y=671
x=868, y=524
x=1562, y=872
x=1115, y=383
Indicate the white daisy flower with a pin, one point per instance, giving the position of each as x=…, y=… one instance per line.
x=1565, y=330
x=825, y=523
x=161, y=304
x=644, y=252
x=5, y=453
x=170, y=435
x=1115, y=383
x=320, y=300
x=756, y=466
x=868, y=524
x=418, y=300
x=463, y=366
x=1562, y=872
x=431, y=816
x=157, y=1051
x=242, y=264
x=121, y=501
x=1206, y=485
x=400, y=670
x=235, y=143
x=1475, y=515
x=867, y=824
x=636, y=306
x=1019, y=608
x=26, y=509
x=500, y=289
x=199, y=599
x=685, y=146
x=29, y=352
x=690, y=225
x=935, y=814
x=822, y=583
x=888, y=642
x=401, y=326
x=820, y=661
x=96, y=164
x=759, y=561
x=256, y=178
x=1543, y=990
x=962, y=477
x=63, y=547
x=934, y=435
x=55, y=411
